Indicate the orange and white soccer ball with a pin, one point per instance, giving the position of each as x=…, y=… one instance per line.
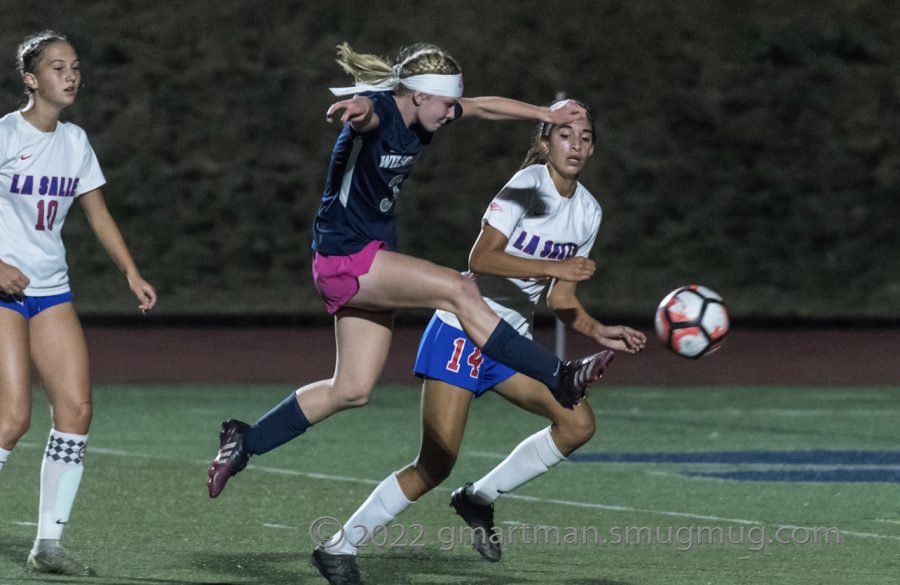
x=692, y=321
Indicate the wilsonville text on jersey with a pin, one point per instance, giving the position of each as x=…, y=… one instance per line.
x=395, y=161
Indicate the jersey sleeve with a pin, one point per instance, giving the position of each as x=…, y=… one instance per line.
x=90, y=176
x=510, y=204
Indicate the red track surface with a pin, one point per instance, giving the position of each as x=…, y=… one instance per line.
x=294, y=357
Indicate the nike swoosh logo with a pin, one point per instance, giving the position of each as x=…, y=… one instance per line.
x=26, y=156
x=7, y=298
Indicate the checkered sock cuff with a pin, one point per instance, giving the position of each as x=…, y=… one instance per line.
x=66, y=448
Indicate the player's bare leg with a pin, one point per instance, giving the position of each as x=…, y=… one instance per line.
x=445, y=409
x=398, y=281
x=15, y=379
x=570, y=428
x=59, y=353
x=60, y=356
x=362, y=340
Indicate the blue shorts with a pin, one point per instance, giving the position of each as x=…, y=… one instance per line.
x=28, y=307
x=447, y=354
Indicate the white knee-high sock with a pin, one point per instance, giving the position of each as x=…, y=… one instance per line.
x=383, y=505
x=531, y=458
x=4, y=455
x=60, y=476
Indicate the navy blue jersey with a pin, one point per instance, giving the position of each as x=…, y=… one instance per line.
x=365, y=174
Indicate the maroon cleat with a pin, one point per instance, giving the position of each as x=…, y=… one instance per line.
x=231, y=458
x=577, y=375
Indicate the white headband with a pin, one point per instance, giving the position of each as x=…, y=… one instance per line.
x=431, y=83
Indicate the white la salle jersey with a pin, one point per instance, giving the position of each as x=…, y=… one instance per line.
x=41, y=174
x=541, y=224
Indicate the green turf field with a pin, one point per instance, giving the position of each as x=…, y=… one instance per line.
x=143, y=515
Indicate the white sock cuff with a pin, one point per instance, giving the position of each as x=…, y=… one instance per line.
x=547, y=449
x=4, y=455
x=67, y=448
x=69, y=436
x=392, y=495
x=384, y=504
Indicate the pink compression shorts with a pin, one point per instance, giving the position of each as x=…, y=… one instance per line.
x=337, y=277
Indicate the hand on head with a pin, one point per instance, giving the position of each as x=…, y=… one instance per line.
x=566, y=111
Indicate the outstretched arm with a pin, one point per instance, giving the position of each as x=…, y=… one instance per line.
x=500, y=108
x=110, y=237
x=358, y=111
x=563, y=301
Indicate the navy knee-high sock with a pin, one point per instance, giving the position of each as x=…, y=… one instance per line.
x=523, y=355
x=278, y=426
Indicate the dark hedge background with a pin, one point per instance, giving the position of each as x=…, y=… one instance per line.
x=748, y=146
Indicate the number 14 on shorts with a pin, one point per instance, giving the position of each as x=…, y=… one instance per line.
x=474, y=360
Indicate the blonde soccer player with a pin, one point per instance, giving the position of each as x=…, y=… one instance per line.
x=535, y=239
x=396, y=110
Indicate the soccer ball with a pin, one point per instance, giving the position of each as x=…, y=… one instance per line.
x=692, y=321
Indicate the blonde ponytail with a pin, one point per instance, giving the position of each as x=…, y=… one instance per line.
x=364, y=67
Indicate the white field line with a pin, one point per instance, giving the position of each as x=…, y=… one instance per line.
x=887, y=520
x=556, y=501
x=743, y=412
x=537, y=500
x=485, y=454
x=620, y=393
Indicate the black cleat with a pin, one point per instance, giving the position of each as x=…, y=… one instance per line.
x=337, y=569
x=480, y=518
x=231, y=458
x=577, y=375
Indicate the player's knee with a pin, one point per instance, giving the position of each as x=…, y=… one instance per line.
x=466, y=293
x=74, y=417
x=352, y=395
x=576, y=430
x=13, y=427
x=470, y=290
x=583, y=430
x=433, y=473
